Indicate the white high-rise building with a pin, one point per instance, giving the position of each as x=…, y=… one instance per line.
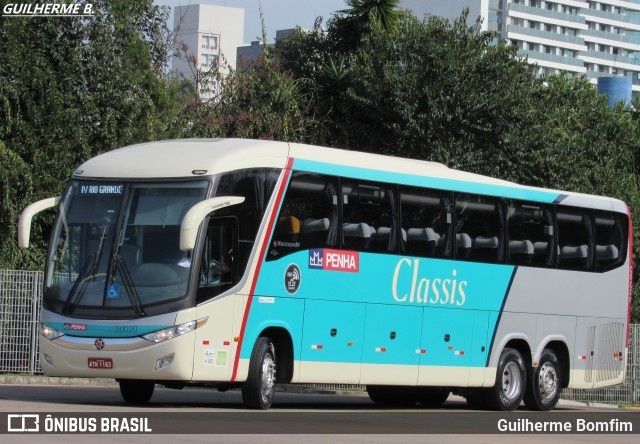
x=207, y=37
x=592, y=38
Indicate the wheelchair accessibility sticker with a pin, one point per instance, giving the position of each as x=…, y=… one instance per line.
x=113, y=292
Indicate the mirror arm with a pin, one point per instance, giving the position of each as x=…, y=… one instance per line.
x=24, y=224
x=196, y=214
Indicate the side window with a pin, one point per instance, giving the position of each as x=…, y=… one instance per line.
x=575, y=239
x=479, y=231
x=611, y=242
x=219, y=265
x=369, y=219
x=256, y=186
x=530, y=234
x=426, y=222
x=308, y=217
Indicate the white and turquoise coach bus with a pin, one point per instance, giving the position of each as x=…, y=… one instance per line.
x=241, y=263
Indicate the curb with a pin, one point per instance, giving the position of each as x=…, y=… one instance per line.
x=599, y=405
x=50, y=380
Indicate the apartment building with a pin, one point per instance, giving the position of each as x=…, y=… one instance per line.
x=207, y=38
x=591, y=38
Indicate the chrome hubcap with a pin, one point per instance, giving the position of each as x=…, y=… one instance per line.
x=547, y=381
x=511, y=381
x=268, y=380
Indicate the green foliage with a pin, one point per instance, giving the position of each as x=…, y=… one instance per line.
x=362, y=18
x=73, y=87
x=15, y=186
x=260, y=102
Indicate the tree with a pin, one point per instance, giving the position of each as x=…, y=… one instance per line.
x=15, y=186
x=73, y=87
x=362, y=18
x=260, y=102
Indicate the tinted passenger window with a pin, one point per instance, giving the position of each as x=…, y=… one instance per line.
x=256, y=186
x=611, y=246
x=478, y=228
x=575, y=239
x=530, y=234
x=308, y=217
x=218, y=266
x=369, y=220
x=426, y=222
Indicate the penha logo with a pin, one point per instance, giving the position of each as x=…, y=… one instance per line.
x=334, y=260
x=75, y=327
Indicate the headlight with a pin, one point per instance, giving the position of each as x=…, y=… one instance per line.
x=50, y=333
x=172, y=332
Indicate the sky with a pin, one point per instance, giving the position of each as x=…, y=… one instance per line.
x=278, y=14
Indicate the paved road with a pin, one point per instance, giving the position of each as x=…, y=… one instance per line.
x=339, y=418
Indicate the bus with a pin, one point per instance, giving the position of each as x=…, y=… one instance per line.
x=242, y=264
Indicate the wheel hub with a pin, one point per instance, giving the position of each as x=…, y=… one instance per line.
x=547, y=381
x=511, y=381
x=268, y=380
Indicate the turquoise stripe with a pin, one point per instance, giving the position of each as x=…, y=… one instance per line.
x=426, y=181
x=108, y=331
x=401, y=304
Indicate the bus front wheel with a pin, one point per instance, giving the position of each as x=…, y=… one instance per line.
x=543, y=389
x=511, y=378
x=136, y=392
x=259, y=388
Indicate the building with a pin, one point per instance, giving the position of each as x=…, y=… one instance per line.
x=207, y=37
x=592, y=38
x=248, y=53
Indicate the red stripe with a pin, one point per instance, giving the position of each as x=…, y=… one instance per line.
x=263, y=249
x=630, y=274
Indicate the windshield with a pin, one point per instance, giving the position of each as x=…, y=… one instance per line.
x=116, y=246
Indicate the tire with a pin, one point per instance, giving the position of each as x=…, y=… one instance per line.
x=511, y=379
x=432, y=397
x=393, y=396
x=544, y=386
x=259, y=388
x=136, y=392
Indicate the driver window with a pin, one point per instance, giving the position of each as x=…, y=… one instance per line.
x=218, y=266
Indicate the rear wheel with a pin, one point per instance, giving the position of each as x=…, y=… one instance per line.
x=259, y=388
x=543, y=389
x=136, y=392
x=511, y=378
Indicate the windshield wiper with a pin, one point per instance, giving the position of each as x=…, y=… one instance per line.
x=129, y=286
x=73, y=295
x=93, y=259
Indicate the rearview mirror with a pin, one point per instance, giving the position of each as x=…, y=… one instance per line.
x=196, y=214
